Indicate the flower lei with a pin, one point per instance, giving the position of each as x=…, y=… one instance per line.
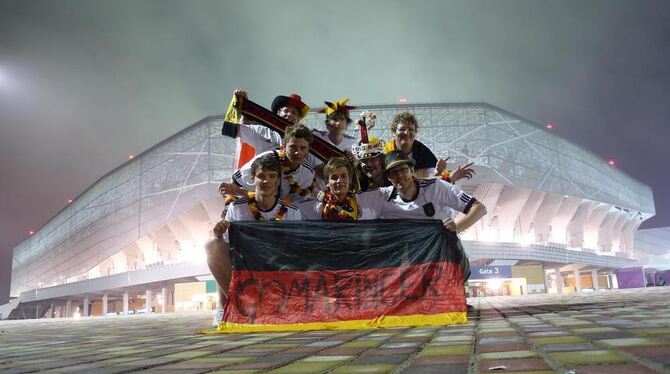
x=286, y=168
x=335, y=211
x=253, y=208
x=446, y=176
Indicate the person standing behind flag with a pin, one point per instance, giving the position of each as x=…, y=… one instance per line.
x=412, y=198
x=291, y=108
x=296, y=177
x=262, y=204
x=404, y=126
x=337, y=202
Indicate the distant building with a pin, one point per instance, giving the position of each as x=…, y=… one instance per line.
x=559, y=218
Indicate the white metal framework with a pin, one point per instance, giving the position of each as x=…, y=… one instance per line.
x=157, y=209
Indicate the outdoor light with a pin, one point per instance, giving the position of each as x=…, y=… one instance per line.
x=69, y=201
x=494, y=284
x=611, y=162
x=31, y=232
x=549, y=125
x=130, y=157
x=403, y=100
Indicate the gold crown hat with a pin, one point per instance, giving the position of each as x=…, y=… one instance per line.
x=368, y=150
x=340, y=105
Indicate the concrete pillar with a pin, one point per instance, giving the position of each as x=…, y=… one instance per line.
x=125, y=303
x=105, y=299
x=559, y=280
x=68, y=308
x=578, y=281
x=87, y=302
x=53, y=310
x=148, y=301
x=37, y=311
x=594, y=276
x=164, y=299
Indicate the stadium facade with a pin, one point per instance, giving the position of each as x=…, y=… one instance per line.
x=559, y=218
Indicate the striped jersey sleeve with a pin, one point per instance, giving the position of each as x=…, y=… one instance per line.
x=452, y=196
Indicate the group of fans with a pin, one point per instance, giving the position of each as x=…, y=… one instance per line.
x=400, y=179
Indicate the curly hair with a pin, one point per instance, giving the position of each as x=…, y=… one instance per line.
x=298, y=131
x=404, y=117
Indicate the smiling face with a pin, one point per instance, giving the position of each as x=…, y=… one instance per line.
x=373, y=167
x=266, y=182
x=339, y=182
x=289, y=113
x=404, y=136
x=402, y=178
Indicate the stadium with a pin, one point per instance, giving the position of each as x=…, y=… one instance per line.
x=559, y=218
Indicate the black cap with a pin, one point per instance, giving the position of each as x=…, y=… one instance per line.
x=293, y=100
x=396, y=158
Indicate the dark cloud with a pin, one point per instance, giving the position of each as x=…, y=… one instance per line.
x=89, y=82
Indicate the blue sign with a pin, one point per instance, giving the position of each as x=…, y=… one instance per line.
x=491, y=272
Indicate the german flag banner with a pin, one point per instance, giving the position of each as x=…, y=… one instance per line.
x=315, y=275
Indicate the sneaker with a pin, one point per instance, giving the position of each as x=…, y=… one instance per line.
x=218, y=317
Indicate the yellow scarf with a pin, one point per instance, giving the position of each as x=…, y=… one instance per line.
x=389, y=146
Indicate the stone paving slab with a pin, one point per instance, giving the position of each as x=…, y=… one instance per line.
x=621, y=331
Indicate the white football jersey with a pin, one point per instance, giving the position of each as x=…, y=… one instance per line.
x=370, y=204
x=303, y=176
x=239, y=211
x=435, y=200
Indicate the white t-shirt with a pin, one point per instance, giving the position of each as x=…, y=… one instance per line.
x=344, y=146
x=435, y=200
x=370, y=204
x=239, y=211
x=260, y=137
x=303, y=176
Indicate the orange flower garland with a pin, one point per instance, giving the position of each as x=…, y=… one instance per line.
x=286, y=168
x=253, y=208
x=336, y=211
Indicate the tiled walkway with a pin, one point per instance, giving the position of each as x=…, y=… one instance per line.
x=624, y=331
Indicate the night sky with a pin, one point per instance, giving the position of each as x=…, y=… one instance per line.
x=84, y=84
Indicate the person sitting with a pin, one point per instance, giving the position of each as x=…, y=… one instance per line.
x=262, y=204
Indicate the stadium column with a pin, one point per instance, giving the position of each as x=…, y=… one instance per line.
x=68, y=308
x=125, y=303
x=164, y=299
x=87, y=301
x=578, y=280
x=148, y=301
x=594, y=276
x=559, y=280
x=53, y=310
x=105, y=300
x=37, y=311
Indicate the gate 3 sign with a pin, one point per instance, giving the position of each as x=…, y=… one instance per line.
x=490, y=272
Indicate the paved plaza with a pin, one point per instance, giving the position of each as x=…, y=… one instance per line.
x=621, y=331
